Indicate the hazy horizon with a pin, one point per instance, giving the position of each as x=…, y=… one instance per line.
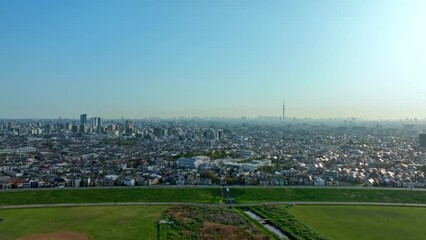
x=141, y=59
x=225, y=118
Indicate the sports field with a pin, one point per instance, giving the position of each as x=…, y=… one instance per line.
x=124, y=222
x=364, y=222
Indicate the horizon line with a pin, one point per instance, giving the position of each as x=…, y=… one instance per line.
x=262, y=117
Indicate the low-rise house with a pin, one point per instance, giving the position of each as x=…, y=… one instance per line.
x=129, y=182
x=319, y=182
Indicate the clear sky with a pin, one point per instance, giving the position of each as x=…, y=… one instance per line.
x=138, y=59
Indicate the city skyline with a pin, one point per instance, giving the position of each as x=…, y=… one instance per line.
x=132, y=59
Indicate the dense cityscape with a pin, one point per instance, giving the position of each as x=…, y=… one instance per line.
x=212, y=120
x=265, y=151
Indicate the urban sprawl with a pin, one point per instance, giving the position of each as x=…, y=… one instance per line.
x=263, y=151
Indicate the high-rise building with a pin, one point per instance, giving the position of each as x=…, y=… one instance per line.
x=158, y=132
x=83, y=128
x=220, y=134
x=74, y=128
x=422, y=140
x=95, y=123
x=128, y=126
x=83, y=119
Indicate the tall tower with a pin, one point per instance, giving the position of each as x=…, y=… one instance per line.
x=283, y=110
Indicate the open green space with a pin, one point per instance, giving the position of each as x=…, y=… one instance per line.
x=133, y=222
x=327, y=194
x=364, y=222
x=111, y=195
x=282, y=219
x=209, y=195
x=124, y=222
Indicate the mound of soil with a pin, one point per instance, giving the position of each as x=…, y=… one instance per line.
x=56, y=236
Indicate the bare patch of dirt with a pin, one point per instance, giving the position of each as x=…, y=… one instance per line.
x=181, y=214
x=220, y=231
x=56, y=236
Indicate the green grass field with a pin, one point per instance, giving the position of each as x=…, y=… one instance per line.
x=364, y=222
x=281, y=218
x=129, y=222
x=327, y=194
x=209, y=195
x=111, y=195
x=134, y=222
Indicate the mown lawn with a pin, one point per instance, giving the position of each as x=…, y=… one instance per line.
x=123, y=222
x=364, y=222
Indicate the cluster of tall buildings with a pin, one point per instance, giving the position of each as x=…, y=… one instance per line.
x=213, y=134
x=94, y=124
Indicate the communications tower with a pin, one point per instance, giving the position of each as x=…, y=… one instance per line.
x=283, y=109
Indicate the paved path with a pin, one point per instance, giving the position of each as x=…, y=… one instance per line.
x=208, y=204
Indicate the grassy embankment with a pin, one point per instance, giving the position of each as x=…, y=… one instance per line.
x=210, y=195
x=243, y=195
x=364, y=222
x=103, y=223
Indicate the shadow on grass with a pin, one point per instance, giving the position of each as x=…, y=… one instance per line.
x=216, y=195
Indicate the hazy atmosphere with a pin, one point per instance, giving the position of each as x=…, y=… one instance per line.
x=138, y=59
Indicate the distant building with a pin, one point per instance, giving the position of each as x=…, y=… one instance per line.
x=192, y=162
x=331, y=174
x=129, y=182
x=220, y=134
x=74, y=128
x=422, y=140
x=210, y=134
x=83, y=128
x=128, y=126
x=21, y=150
x=319, y=181
x=83, y=119
x=95, y=122
x=246, y=153
x=160, y=132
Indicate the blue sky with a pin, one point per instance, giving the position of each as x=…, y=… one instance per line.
x=138, y=59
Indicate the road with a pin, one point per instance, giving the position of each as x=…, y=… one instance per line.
x=208, y=204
